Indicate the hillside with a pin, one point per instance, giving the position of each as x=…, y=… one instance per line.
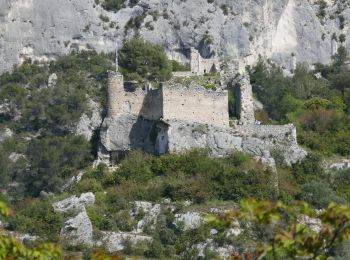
x=174, y=129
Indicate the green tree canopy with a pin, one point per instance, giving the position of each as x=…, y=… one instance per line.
x=143, y=61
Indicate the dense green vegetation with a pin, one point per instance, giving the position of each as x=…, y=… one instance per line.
x=34, y=106
x=318, y=107
x=44, y=153
x=143, y=61
x=43, y=118
x=115, y=5
x=191, y=176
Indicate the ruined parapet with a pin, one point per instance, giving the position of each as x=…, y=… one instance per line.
x=245, y=102
x=195, y=104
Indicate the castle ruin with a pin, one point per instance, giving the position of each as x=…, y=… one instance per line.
x=199, y=65
x=175, y=118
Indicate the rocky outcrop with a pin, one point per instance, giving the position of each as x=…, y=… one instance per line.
x=5, y=133
x=338, y=165
x=90, y=121
x=189, y=220
x=286, y=31
x=77, y=229
x=151, y=212
x=115, y=241
x=74, y=203
x=128, y=133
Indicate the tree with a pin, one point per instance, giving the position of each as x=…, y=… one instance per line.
x=52, y=159
x=340, y=58
x=143, y=61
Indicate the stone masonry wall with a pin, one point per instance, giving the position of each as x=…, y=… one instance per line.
x=195, y=104
x=144, y=103
x=200, y=66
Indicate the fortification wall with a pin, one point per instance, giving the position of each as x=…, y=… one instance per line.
x=245, y=102
x=144, y=103
x=195, y=104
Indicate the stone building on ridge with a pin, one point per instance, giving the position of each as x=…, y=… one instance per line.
x=175, y=118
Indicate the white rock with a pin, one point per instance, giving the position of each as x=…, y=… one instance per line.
x=14, y=157
x=342, y=164
x=77, y=230
x=114, y=241
x=151, y=212
x=74, y=203
x=52, y=80
x=190, y=220
x=272, y=29
x=89, y=122
x=5, y=134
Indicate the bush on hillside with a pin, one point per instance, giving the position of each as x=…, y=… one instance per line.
x=144, y=61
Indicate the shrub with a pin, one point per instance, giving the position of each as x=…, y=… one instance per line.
x=36, y=217
x=52, y=159
x=314, y=193
x=143, y=61
x=113, y=5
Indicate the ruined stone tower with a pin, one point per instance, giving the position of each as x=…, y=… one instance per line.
x=245, y=102
x=115, y=91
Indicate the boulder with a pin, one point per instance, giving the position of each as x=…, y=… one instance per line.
x=5, y=133
x=77, y=230
x=90, y=121
x=190, y=220
x=74, y=203
x=114, y=241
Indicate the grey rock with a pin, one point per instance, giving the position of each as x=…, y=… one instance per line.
x=286, y=31
x=190, y=220
x=77, y=230
x=74, y=203
x=52, y=80
x=14, y=157
x=342, y=164
x=151, y=212
x=126, y=132
x=90, y=121
x=114, y=241
x=5, y=134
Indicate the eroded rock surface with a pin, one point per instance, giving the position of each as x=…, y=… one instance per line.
x=74, y=203
x=287, y=31
x=77, y=230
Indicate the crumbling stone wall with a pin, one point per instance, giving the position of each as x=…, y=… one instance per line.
x=175, y=118
x=195, y=104
x=146, y=103
x=200, y=66
x=192, y=104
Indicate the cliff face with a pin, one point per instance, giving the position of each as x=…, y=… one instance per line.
x=287, y=31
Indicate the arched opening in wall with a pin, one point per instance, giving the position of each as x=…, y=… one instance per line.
x=205, y=71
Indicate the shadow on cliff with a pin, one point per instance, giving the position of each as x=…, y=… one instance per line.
x=149, y=133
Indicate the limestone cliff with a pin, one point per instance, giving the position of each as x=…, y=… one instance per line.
x=287, y=31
